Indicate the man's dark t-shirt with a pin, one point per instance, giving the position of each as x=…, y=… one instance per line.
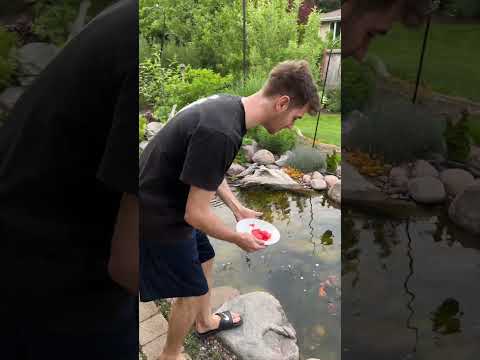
x=196, y=147
x=67, y=154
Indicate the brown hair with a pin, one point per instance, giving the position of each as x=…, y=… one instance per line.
x=294, y=79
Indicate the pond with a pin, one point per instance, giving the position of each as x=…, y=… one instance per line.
x=410, y=288
x=307, y=255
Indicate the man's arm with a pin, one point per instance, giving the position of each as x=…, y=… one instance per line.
x=123, y=263
x=229, y=198
x=199, y=214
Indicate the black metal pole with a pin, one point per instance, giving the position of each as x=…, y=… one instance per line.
x=244, y=4
x=323, y=94
x=422, y=57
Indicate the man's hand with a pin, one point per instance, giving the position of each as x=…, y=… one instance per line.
x=246, y=213
x=249, y=243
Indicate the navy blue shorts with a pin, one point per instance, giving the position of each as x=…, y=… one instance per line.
x=174, y=270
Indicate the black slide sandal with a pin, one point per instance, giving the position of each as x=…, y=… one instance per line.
x=226, y=323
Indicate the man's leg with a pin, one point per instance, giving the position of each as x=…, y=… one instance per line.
x=182, y=315
x=205, y=320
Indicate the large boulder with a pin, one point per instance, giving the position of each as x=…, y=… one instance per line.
x=274, y=179
x=235, y=169
x=422, y=168
x=398, y=177
x=152, y=129
x=9, y=97
x=319, y=184
x=263, y=157
x=33, y=58
x=265, y=334
x=220, y=295
x=456, y=180
x=427, y=190
x=465, y=208
x=335, y=192
x=331, y=180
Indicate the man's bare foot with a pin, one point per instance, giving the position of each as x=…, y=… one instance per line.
x=174, y=357
x=214, y=323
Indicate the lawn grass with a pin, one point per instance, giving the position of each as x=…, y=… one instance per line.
x=451, y=62
x=329, y=128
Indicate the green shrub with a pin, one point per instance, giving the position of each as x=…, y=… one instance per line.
x=279, y=143
x=357, y=85
x=7, y=65
x=142, y=124
x=457, y=139
x=254, y=83
x=334, y=100
x=52, y=19
x=332, y=161
x=161, y=88
x=306, y=159
x=398, y=131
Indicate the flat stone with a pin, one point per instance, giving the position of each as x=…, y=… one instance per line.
x=147, y=310
x=153, y=349
x=35, y=56
x=318, y=184
x=221, y=295
x=235, y=169
x=456, y=180
x=422, y=168
x=427, y=190
x=9, y=97
x=152, y=328
x=331, y=180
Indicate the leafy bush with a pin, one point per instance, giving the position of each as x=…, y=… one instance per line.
x=357, y=85
x=334, y=100
x=332, y=161
x=457, y=139
x=7, y=65
x=254, y=83
x=306, y=159
x=142, y=125
x=52, y=19
x=398, y=131
x=164, y=87
x=278, y=143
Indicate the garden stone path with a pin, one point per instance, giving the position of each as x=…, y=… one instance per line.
x=153, y=330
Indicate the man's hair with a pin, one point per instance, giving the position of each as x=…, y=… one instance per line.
x=414, y=11
x=294, y=79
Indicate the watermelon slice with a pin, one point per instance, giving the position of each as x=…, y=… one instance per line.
x=261, y=234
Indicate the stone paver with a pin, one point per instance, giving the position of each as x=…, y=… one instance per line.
x=147, y=310
x=152, y=328
x=154, y=348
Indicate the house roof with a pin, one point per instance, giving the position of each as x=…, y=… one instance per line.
x=335, y=15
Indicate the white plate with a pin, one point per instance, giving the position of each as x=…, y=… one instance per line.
x=243, y=226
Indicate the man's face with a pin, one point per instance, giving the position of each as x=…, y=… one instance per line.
x=359, y=28
x=284, y=115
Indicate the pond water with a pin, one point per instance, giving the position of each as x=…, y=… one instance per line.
x=410, y=288
x=294, y=269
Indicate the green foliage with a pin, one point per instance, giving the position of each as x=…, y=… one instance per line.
x=241, y=158
x=7, y=65
x=190, y=34
x=306, y=159
x=52, y=19
x=457, y=139
x=162, y=88
x=357, y=85
x=397, y=131
x=142, y=124
x=332, y=161
x=334, y=100
x=254, y=82
x=278, y=143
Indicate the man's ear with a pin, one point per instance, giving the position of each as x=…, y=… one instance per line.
x=282, y=103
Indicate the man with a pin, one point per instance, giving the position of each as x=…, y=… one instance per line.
x=181, y=170
x=68, y=204
x=362, y=20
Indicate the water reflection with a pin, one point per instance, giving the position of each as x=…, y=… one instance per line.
x=306, y=259
x=409, y=288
